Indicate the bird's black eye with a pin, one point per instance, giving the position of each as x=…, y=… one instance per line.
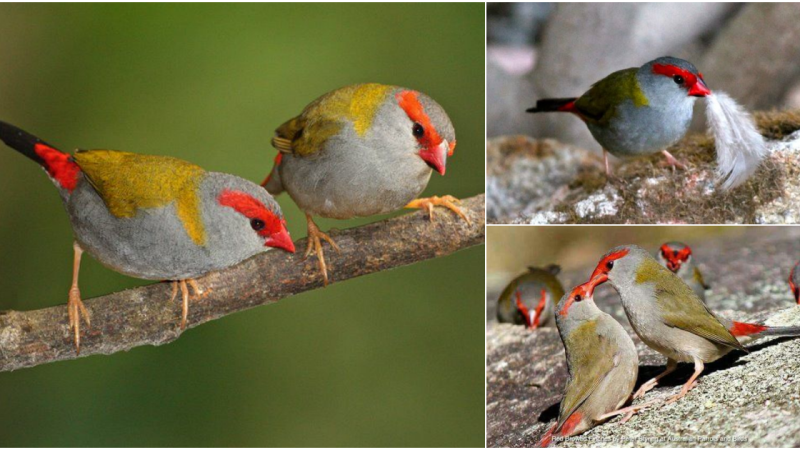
x=610, y=265
x=678, y=79
x=578, y=297
x=257, y=224
x=418, y=130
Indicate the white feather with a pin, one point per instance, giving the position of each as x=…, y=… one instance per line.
x=740, y=147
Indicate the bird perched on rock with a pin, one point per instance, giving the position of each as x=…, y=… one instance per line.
x=361, y=150
x=529, y=299
x=602, y=364
x=670, y=318
x=677, y=257
x=637, y=111
x=154, y=217
x=794, y=283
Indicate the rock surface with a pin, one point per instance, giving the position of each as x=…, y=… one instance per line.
x=742, y=400
x=540, y=182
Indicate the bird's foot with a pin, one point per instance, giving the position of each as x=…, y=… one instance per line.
x=76, y=309
x=686, y=388
x=672, y=161
x=315, y=246
x=198, y=291
x=646, y=387
x=447, y=201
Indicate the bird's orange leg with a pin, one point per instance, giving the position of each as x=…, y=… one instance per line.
x=605, y=160
x=315, y=246
x=629, y=412
x=672, y=161
x=75, y=306
x=184, y=303
x=447, y=201
x=537, y=313
x=698, y=369
x=650, y=384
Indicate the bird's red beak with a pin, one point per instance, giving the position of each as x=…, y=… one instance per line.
x=436, y=157
x=281, y=240
x=699, y=89
x=598, y=277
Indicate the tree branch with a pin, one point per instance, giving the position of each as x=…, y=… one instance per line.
x=142, y=316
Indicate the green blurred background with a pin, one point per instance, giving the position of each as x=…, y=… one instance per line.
x=395, y=358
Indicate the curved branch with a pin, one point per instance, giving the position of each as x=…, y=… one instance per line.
x=143, y=316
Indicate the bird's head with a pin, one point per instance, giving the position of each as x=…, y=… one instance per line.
x=676, y=75
x=620, y=265
x=673, y=255
x=256, y=213
x=428, y=124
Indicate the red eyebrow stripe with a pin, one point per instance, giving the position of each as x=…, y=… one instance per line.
x=252, y=208
x=671, y=71
x=410, y=103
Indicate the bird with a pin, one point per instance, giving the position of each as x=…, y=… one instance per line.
x=794, y=283
x=637, y=111
x=153, y=217
x=670, y=318
x=677, y=257
x=530, y=298
x=602, y=363
x=361, y=150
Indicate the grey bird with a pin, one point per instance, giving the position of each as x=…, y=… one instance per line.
x=362, y=150
x=530, y=298
x=670, y=318
x=154, y=217
x=637, y=111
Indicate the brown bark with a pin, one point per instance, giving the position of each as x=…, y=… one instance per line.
x=144, y=316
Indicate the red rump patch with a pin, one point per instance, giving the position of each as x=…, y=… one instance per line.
x=410, y=103
x=278, y=159
x=746, y=329
x=253, y=209
x=59, y=165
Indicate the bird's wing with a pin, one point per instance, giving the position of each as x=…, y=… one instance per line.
x=128, y=182
x=599, y=103
x=699, y=278
x=307, y=133
x=681, y=308
x=596, y=356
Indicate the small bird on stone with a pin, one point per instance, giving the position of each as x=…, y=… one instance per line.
x=530, y=298
x=670, y=318
x=602, y=362
x=154, y=217
x=677, y=257
x=362, y=150
x=637, y=111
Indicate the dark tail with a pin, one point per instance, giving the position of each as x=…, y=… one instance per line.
x=59, y=165
x=754, y=330
x=22, y=141
x=553, y=104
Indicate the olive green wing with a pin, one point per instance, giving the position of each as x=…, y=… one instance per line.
x=595, y=356
x=681, y=308
x=599, y=103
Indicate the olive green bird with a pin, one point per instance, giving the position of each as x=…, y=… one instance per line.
x=602, y=362
x=530, y=298
x=670, y=318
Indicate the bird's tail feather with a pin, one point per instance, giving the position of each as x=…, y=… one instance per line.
x=59, y=165
x=553, y=104
x=754, y=330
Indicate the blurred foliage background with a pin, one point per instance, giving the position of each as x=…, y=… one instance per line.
x=393, y=359
x=509, y=250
